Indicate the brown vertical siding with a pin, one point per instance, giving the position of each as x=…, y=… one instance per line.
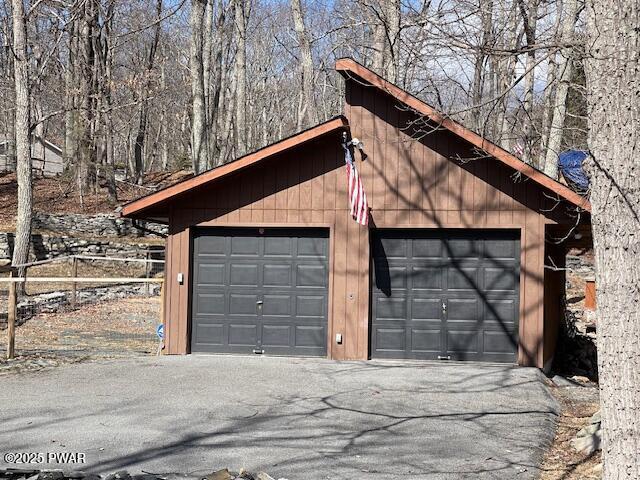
x=554, y=291
x=427, y=183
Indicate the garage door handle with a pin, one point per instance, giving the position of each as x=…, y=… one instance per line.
x=444, y=307
x=259, y=302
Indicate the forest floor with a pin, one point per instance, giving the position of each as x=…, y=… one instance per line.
x=112, y=329
x=60, y=195
x=562, y=461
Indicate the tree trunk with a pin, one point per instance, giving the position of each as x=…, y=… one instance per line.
x=199, y=114
x=529, y=14
x=486, y=42
x=613, y=89
x=559, y=112
x=71, y=115
x=386, y=38
x=23, y=144
x=240, y=21
x=143, y=115
x=308, y=114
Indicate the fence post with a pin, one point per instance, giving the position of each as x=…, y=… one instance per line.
x=11, y=317
x=74, y=274
x=147, y=272
x=162, y=293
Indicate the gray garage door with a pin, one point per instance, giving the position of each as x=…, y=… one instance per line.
x=257, y=291
x=445, y=294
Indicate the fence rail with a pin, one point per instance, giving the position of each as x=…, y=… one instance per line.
x=13, y=280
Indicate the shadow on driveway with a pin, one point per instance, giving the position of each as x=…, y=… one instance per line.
x=302, y=419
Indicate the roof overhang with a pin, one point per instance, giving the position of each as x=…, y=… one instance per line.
x=154, y=207
x=349, y=68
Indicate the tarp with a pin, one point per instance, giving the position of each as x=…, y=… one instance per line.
x=570, y=164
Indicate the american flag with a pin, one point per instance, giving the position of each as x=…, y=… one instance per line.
x=518, y=149
x=359, y=208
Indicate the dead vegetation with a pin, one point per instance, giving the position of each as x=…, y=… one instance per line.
x=110, y=329
x=562, y=461
x=60, y=195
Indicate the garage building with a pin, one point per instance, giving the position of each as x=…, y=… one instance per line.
x=263, y=256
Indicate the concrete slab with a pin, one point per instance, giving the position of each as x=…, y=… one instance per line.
x=303, y=419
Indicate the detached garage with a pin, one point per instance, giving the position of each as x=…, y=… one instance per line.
x=264, y=257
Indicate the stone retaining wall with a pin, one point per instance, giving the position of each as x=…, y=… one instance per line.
x=103, y=224
x=48, y=246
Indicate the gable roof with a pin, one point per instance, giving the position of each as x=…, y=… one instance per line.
x=144, y=204
x=350, y=68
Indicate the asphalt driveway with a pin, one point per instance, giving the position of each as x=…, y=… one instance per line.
x=301, y=419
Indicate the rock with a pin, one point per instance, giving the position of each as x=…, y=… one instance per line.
x=220, y=475
x=245, y=475
x=51, y=475
x=264, y=476
x=561, y=381
x=587, y=444
x=597, y=469
x=588, y=430
x=596, y=417
x=121, y=475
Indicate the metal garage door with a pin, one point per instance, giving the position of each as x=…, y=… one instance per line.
x=445, y=294
x=257, y=291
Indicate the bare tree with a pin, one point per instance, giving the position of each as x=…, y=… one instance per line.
x=143, y=120
x=22, y=133
x=559, y=107
x=613, y=87
x=307, y=113
x=241, y=12
x=196, y=65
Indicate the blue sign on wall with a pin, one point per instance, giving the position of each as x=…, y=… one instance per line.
x=160, y=331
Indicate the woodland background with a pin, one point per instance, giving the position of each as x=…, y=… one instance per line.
x=153, y=85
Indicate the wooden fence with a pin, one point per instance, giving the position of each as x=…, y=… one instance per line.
x=13, y=280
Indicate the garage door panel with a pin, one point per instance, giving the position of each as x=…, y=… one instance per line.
x=494, y=343
x=277, y=305
x=428, y=278
x=243, y=334
x=501, y=311
x=500, y=279
x=391, y=248
x=210, y=303
x=311, y=306
x=463, y=248
x=243, y=304
x=276, y=275
x=427, y=248
x=463, y=309
x=499, y=249
x=278, y=247
x=210, y=333
x=312, y=247
x=462, y=341
x=426, y=340
x=213, y=246
x=462, y=278
x=260, y=291
x=426, y=308
x=242, y=246
x=460, y=295
x=211, y=274
x=310, y=336
x=390, y=339
x=311, y=275
x=245, y=275
x=274, y=335
x=391, y=308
